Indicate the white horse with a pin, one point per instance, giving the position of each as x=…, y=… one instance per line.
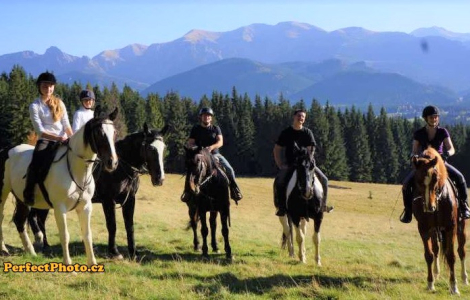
x=69, y=183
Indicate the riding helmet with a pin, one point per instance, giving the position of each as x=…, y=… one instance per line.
x=87, y=94
x=206, y=110
x=46, y=77
x=430, y=110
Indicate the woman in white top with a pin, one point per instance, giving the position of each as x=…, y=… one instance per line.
x=85, y=112
x=51, y=123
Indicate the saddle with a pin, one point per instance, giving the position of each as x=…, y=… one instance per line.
x=221, y=169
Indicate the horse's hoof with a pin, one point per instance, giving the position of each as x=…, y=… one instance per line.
x=117, y=256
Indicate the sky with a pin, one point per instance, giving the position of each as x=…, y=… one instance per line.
x=88, y=27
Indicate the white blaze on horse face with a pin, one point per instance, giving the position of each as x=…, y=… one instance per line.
x=291, y=185
x=160, y=146
x=427, y=204
x=109, y=130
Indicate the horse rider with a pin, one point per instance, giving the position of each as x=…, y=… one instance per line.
x=85, y=112
x=303, y=137
x=439, y=138
x=51, y=123
x=207, y=135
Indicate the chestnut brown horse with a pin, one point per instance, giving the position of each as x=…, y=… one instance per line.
x=435, y=207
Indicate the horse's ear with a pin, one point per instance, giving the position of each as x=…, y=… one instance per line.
x=164, y=130
x=146, y=129
x=97, y=111
x=112, y=116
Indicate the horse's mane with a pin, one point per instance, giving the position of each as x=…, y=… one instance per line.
x=431, y=153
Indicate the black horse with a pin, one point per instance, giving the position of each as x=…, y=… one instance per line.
x=210, y=188
x=139, y=153
x=304, y=201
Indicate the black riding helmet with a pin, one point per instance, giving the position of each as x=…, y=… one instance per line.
x=46, y=77
x=430, y=110
x=206, y=110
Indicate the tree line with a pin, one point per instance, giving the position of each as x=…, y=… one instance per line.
x=351, y=145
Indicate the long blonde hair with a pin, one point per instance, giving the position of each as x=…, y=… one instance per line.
x=54, y=104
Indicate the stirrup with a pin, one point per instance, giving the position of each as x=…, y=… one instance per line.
x=406, y=217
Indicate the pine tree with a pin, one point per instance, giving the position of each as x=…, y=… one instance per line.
x=134, y=108
x=153, y=110
x=385, y=168
x=335, y=166
x=21, y=92
x=109, y=102
x=176, y=119
x=316, y=120
x=357, y=147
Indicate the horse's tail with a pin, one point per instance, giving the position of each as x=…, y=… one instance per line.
x=3, y=158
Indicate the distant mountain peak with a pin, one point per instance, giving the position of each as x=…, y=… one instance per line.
x=197, y=35
x=53, y=50
x=441, y=32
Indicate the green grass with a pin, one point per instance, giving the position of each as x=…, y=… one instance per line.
x=366, y=252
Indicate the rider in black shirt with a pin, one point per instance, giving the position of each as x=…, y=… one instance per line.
x=207, y=135
x=303, y=137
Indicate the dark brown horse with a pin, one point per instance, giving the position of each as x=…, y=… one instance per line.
x=209, y=186
x=435, y=207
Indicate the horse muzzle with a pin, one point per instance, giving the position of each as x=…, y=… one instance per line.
x=157, y=180
x=110, y=164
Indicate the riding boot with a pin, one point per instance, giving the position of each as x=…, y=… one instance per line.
x=28, y=193
x=407, y=214
x=464, y=209
x=235, y=192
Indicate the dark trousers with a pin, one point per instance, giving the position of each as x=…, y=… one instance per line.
x=43, y=156
x=282, y=179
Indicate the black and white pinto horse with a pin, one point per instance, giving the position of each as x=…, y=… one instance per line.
x=69, y=183
x=139, y=153
x=210, y=194
x=304, y=196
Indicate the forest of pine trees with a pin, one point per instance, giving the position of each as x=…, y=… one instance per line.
x=351, y=145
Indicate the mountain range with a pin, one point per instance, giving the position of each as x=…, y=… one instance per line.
x=299, y=60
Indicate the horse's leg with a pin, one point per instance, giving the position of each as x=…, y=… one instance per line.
x=128, y=215
x=193, y=217
x=60, y=213
x=225, y=234
x=428, y=255
x=37, y=222
x=462, y=239
x=19, y=218
x=301, y=231
x=84, y=215
x=204, y=233
x=450, y=257
x=287, y=235
x=4, y=250
x=435, y=250
x=213, y=225
x=110, y=215
x=317, y=237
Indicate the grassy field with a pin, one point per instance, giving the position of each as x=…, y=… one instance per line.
x=366, y=252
